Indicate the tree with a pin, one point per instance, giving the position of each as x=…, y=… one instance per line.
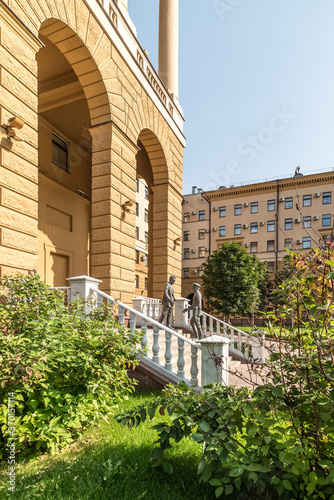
x=233, y=281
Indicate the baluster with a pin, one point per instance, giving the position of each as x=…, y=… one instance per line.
x=225, y=329
x=180, y=359
x=232, y=337
x=132, y=322
x=121, y=314
x=144, y=331
x=204, y=324
x=156, y=347
x=211, y=326
x=194, y=366
x=239, y=341
x=168, y=352
x=217, y=328
x=247, y=345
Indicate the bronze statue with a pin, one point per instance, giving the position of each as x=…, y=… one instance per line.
x=168, y=301
x=196, y=307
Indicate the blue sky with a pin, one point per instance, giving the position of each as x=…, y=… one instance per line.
x=256, y=86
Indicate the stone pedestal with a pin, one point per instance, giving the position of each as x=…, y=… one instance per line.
x=212, y=348
x=81, y=286
x=181, y=318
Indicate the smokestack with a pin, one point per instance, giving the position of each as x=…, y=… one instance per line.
x=169, y=45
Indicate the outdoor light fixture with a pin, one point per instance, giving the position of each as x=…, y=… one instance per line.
x=177, y=241
x=126, y=206
x=12, y=123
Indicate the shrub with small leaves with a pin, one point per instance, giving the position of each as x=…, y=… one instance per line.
x=65, y=369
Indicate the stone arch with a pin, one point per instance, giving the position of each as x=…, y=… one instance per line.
x=156, y=156
x=83, y=64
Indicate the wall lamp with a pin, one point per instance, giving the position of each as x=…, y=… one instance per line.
x=177, y=241
x=126, y=206
x=12, y=123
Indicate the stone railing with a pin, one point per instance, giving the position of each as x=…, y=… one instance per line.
x=158, y=339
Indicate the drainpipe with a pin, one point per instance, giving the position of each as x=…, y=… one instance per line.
x=207, y=199
x=277, y=218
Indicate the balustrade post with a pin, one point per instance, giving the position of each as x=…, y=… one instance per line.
x=181, y=318
x=84, y=287
x=194, y=366
x=168, y=352
x=215, y=349
x=156, y=347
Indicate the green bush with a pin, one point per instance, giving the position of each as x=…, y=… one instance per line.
x=65, y=369
x=279, y=438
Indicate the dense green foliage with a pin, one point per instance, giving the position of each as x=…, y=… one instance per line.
x=64, y=369
x=110, y=463
x=233, y=281
x=279, y=437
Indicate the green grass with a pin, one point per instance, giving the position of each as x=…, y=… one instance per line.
x=111, y=462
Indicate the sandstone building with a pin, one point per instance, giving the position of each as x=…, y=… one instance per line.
x=97, y=116
x=265, y=218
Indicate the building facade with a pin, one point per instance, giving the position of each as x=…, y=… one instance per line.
x=97, y=116
x=265, y=218
x=142, y=239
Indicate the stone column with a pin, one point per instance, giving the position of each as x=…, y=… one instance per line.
x=212, y=372
x=113, y=225
x=164, y=254
x=169, y=44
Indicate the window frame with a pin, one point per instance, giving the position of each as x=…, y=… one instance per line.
x=329, y=195
x=254, y=204
x=288, y=224
x=270, y=244
x=271, y=205
x=201, y=234
x=222, y=229
x=222, y=211
x=64, y=149
x=254, y=225
x=307, y=197
x=237, y=227
x=238, y=207
x=329, y=217
x=251, y=246
x=271, y=224
x=289, y=199
x=186, y=253
x=201, y=215
x=306, y=244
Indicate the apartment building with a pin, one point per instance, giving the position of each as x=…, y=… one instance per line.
x=266, y=218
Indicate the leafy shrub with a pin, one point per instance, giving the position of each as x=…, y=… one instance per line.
x=278, y=438
x=65, y=369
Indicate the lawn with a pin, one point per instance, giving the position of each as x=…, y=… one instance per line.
x=111, y=462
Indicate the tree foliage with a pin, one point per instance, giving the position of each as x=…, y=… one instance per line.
x=279, y=438
x=61, y=370
x=233, y=281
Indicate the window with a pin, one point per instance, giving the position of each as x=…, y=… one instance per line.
x=186, y=235
x=222, y=211
x=200, y=271
x=222, y=230
x=137, y=257
x=136, y=281
x=186, y=272
x=270, y=267
x=307, y=242
x=201, y=251
x=237, y=209
x=307, y=200
x=253, y=228
x=253, y=247
x=326, y=220
x=270, y=226
x=186, y=253
x=327, y=198
x=146, y=193
x=237, y=229
x=254, y=207
x=289, y=202
x=201, y=234
x=146, y=215
x=288, y=243
x=146, y=283
x=306, y=222
x=59, y=152
x=271, y=246
x=146, y=237
x=186, y=217
x=287, y=224
x=137, y=209
x=271, y=205
x=137, y=233
x=201, y=215
x=137, y=185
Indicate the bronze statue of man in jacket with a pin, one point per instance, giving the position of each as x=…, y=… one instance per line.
x=168, y=301
x=196, y=308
